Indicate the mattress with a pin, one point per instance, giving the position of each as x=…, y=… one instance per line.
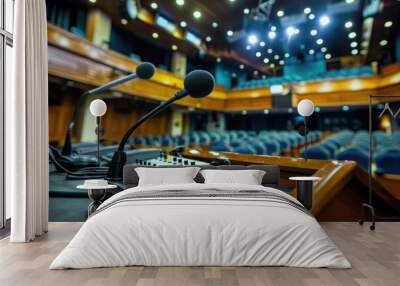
x=201, y=225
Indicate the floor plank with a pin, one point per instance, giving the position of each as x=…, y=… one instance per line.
x=375, y=257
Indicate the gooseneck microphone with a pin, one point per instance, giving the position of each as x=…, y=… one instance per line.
x=197, y=84
x=143, y=71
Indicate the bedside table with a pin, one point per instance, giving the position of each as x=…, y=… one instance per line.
x=96, y=194
x=305, y=190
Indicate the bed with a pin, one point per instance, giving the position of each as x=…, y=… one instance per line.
x=198, y=224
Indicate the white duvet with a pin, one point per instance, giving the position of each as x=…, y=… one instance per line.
x=200, y=231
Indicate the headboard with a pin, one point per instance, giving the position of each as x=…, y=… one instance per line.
x=270, y=179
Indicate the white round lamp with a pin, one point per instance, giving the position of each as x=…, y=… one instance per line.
x=305, y=107
x=98, y=107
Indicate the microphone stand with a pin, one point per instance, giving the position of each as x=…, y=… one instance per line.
x=119, y=158
x=67, y=148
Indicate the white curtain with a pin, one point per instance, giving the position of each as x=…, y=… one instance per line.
x=27, y=123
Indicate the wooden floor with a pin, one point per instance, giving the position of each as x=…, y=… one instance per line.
x=375, y=257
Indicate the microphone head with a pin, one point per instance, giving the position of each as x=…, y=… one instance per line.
x=199, y=83
x=145, y=70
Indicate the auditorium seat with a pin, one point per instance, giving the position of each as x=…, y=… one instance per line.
x=388, y=162
x=355, y=154
x=245, y=150
x=316, y=152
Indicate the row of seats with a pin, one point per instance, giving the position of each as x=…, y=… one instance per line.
x=245, y=142
x=347, y=145
x=333, y=74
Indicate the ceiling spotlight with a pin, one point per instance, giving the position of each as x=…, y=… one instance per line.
x=307, y=10
x=232, y=0
x=271, y=34
x=241, y=67
x=272, y=66
x=244, y=112
x=280, y=13
x=262, y=44
x=218, y=60
x=183, y=24
x=352, y=35
x=258, y=54
x=155, y=35
x=154, y=5
x=290, y=31
x=353, y=44
x=383, y=43
x=208, y=39
x=354, y=51
x=348, y=24
x=311, y=52
x=276, y=57
x=124, y=21
x=311, y=16
x=229, y=33
x=248, y=47
x=246, y=11
x=323, y=49
x=388, y=24
x=266, y=60
x=328, y=56
x=92, y=1
x=349, y=1
x=320, y=41
x=269, y=51
x=281, y=62
x=324, y=20
x=266, y=111
x=197, y=14
x=180, y=2
x=252, y=39
x=313, y=32
x=174, y=47
x=255, y=72
x=214, y=24
x=287, y=55
x=273, y=28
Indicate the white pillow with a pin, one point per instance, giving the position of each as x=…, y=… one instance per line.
x=166, y=176
x=248, y=177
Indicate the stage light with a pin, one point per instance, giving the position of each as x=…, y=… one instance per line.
x=197, y=14
x=266, y=60
x=307, y=10
x=276, y=57
x=180, y=2
x=208, y=39
x=124, y=22
x=271, y=35
x=290, y=31
x=258, y=54
x=354, y=52
x=311, y=16
x=183, y=24
x=241, y=67
x=352, y=35
x=383, y=43
x=229, y=33
x=269, y=51
x=280, y=13
x=232, y=0
x=248, y=47
x=349, y=1
x=311, y=52
x=219, y=60
x=273, y=28
x=287, y=55
x=388, y=24
x=262, y=44
x=281, y=62
x=174, y=47
x=214, y=25
x=353, y=44
x=154, y=5
x=155, y=35
x=246, y=11
x=328, y=56
x=348, y=24
x=320, y=41
x=313, y=32
x=252, y=39
x=324, y=20
x=323, y=49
